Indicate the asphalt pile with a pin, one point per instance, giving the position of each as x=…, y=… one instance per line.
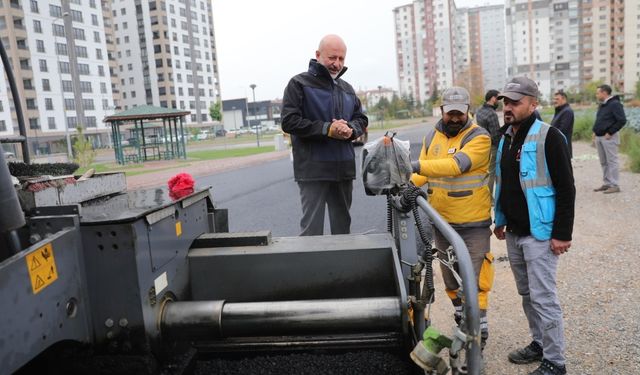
x=350, y=363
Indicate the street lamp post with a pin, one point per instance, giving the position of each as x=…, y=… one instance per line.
x=255, y=115
x=381, y=111
x=64, y=110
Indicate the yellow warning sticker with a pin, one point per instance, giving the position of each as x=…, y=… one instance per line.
x=42, y=268
x=178, y=229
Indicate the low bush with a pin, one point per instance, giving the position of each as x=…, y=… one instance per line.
x=630, y=145
x=582, y=126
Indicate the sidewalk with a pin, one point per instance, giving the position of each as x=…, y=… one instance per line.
x=198, y=168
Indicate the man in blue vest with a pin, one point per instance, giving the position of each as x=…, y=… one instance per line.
x=534, y=212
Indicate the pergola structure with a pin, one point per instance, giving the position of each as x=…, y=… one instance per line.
x=145, y=142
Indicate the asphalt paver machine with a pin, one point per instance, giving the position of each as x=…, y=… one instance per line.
x=98, y=279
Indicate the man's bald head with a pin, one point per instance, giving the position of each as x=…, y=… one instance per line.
x=331, y=53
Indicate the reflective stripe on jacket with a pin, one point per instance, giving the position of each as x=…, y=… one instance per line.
x=535, y=182
x=456, y=170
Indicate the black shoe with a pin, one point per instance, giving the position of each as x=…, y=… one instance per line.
x=549, y=368
x=528, y=354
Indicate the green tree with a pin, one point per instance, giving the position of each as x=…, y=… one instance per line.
x=83, y=151
x=589, y=91
x=638, y=89
x=214, y=111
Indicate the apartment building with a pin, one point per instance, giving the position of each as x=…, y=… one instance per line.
x=425, y=42
x=166, y=55
x=631, y=47
x=480, y=48
x=439, y=45
x=529, y=41
x=587, y=40
x=58, y=53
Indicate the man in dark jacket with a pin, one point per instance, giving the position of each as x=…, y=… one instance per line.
x=563, y=118
x=323, y=115
x=487, y=118
x=609, y=120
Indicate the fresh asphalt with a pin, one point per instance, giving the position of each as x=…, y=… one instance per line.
x=265, y=196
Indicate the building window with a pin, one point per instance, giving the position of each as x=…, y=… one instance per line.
x=96, y=36
x=67, y=86
x=34, y=123
x=34, y=6
x=58, y=30
x=3, y=126
x=101, y=70
x=88, y=104
x=72, y=122
x=83, y=69
x=45, y=85
x=48, y=104
x=55, y=11
x=94, y=20
x=51, y=123
x=70, y=104
x=98, y=54
x=103, y=88
x=81, y=51
x=40, y=46
x=64, y=67
x=85, y=86
x=90, y=121
x=61, y=49
x=76, y=16
x=43, y=66
x=37, y=26
x=31, y=103
x=78, y=33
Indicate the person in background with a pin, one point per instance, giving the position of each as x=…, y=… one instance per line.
x=323, y=115
x=563, y=117
x=534, y=212
x=487, y=118
x=454, y=163
x=610, y=118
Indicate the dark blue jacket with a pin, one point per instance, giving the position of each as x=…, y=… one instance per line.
x=563, y=120
x=311, y=101
x=610, y=117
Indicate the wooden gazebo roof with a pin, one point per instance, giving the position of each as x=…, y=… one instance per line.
x=146, y=112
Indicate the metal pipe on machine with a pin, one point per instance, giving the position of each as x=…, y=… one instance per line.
x=11, y=217
x=216, y=319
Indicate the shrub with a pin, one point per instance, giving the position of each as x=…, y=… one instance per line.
x=630, y=145
x=582, y=125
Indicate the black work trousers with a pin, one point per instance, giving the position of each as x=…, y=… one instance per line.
x=314, y=196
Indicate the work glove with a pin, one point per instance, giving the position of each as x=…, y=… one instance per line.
x=415, y=166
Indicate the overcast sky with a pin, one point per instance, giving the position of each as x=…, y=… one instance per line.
x=266, y=42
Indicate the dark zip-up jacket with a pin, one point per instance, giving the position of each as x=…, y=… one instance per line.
x=563, y=120
x=487, y=118
x=512, y=199
x=610, y=117
x=311, y=101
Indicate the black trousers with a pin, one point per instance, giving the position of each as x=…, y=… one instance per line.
x=314, y=196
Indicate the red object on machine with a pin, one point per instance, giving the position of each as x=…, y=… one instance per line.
x=180, y=185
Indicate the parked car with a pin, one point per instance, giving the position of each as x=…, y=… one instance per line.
x=221, y=133
x=202, y=135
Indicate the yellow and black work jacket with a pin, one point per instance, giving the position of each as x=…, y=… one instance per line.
x=456, y=171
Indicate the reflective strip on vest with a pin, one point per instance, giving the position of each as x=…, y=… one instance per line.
x=542, y=178
x=448, y=183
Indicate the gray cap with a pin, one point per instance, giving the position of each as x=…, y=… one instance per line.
x=455, y=99
x=518, y=87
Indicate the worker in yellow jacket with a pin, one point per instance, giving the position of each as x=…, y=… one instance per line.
x=454, y=163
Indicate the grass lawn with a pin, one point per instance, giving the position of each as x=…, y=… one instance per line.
x=230, y=153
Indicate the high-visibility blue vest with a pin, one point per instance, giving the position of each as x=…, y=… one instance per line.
x=535, y=182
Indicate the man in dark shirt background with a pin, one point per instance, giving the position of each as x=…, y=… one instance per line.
x=563, y=117
x=535, y=199
x=609, y=120
x=487, y=118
